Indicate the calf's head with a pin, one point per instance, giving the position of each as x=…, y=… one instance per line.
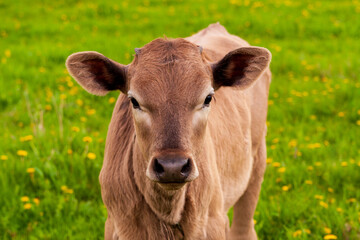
x=170, y=84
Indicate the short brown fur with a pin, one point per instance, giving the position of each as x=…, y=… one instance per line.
x=170, y=79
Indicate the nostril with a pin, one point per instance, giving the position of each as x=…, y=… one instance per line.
x=158, y=168
x=185, y=170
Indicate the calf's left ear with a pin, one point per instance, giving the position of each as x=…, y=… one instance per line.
x=241, y=67
x=96, y=73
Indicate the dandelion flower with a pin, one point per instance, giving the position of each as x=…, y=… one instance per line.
x=27, y=205
x=330, y=237
x=319, y=197
x=282, y=170
x=324, y=204
x=24, y=199
x=69, y=151
x=269, y=160
x=90, y=112
x=112, y=100
x=48, y=107
x=276, y=164
x=285, y=188
x=75, y=129
x=36, y=201
x=26, y=138
x=30, y=170
x=22, y=153
x=91, y=155
x=87, y=139
x=3, y=157
x=79, y=102
x=327, y=230
x=297, y=233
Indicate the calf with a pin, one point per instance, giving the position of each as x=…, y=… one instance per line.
x=186, y=141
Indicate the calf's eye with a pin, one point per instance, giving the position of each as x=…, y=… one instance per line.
x=207, y=100
x=134, y=103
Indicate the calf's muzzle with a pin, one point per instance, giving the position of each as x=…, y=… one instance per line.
x=172, y=169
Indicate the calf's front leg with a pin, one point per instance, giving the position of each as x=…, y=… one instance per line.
x=243, y=225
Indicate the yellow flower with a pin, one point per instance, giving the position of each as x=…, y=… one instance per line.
x=36, y=201
x=341, y=114
x=91, y=155
x=276, y=164
x=22, y=153
x=69, y=151
x=24, y=199
x=324, y=204
x=282, y=169
x=75, y=129
x=310, y=168
x=79, y=102
x=26, y=138
x=292, y=143
x=90, y=112
x=285, y=188
x=63, y=96
x=3, y=157
x=112, y=100
x=330, y=237
x=87, y=139
x=65, y=189
x=307, y=231
x=351, y=200
x=27, y=205
x=308, y=182
x=83, y=119
x=344, y=164
x=48, y=107
x=254, y=221
x=330, y=190
x=297, y=233
x=318, y=164
x=275, y=140
x=8, y=53
x=339, y=210
x=269, y=160
x=30, y=170
x=319, y=197
x=327, y=230
x=270, y=102
x=70, y=191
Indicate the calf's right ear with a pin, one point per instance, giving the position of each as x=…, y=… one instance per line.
x=96, y=73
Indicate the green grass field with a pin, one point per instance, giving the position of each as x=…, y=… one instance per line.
x=52, y=132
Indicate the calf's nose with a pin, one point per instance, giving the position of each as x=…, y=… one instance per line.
x=174, y=170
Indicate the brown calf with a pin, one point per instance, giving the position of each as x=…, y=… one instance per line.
x=176, y=160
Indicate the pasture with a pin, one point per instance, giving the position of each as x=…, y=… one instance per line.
x=52, y=133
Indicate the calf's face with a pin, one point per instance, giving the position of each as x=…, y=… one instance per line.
x=170, y=85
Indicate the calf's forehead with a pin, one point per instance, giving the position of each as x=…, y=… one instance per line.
x=168, y=70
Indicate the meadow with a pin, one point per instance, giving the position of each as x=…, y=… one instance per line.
x=52, y=133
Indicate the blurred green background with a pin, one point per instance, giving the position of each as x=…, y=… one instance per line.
x=52, y=132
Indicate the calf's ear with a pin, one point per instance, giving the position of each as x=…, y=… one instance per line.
x=241, y=67
x=96, y=73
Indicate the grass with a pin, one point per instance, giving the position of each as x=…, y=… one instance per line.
x=50, y=189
